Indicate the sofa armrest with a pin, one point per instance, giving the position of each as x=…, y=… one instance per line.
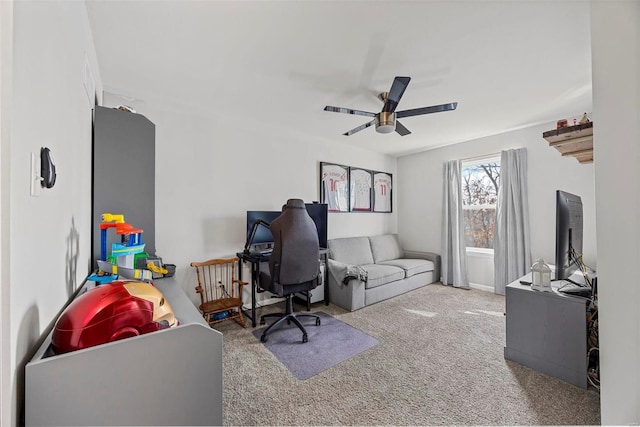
x=431, y=256
x=349, y=296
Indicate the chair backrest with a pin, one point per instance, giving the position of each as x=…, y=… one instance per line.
x=216, y=279
x=296, y=252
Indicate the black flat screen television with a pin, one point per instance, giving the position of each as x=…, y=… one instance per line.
x=317, y=212
x=568, y=233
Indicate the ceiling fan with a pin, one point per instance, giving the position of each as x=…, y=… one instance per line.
x=385, y=120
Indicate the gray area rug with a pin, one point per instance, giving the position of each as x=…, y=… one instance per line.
x=439, y=361
x=329, y=344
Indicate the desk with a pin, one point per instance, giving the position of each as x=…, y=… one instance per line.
x=547, y=331
x=255, y=259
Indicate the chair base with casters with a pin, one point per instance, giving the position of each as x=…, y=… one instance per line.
x=289, y=316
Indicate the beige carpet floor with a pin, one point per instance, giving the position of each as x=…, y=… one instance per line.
x=439, y=362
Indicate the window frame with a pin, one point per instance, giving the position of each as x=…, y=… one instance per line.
x=490, y=158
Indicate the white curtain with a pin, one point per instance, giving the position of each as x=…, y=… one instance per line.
x=454, y=257
x=512, y=240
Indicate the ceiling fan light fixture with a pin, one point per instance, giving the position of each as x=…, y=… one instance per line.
x=385, y=122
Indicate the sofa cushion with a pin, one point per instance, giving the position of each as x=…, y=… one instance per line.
x=385, y=247
x=411, y=266
x=351, y=250
x=379, y=274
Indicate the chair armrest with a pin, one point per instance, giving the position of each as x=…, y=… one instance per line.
x=240, y=282
x=431, y=256
x=337, y=269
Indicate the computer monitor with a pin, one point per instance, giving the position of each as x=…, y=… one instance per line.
x=568, y=233
x=317, y=212
x=263, y=233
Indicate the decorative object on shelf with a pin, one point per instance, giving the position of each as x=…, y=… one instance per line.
x=561, y=124
x=576, y=141
x=125, y=108
x=584, y=119
x=541, y=276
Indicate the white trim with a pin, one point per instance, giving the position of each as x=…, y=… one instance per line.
x=479, y=252
x=264, y=302
x=481, y=160
x=480, y=287
x=478, y=207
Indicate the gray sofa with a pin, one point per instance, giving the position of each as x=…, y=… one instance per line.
x=365, y=270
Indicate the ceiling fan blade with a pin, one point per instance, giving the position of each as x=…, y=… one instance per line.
x=395, y=93
x=401, y=129
x=348, y=111
x=359, y=128
x=427, y=110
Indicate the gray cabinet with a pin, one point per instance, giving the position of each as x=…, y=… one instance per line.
x=547, y=331
x=123, y=173
x=168, y=377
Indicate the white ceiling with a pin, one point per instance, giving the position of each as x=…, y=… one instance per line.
x=509, y=64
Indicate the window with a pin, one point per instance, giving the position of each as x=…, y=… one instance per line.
x=480, y=183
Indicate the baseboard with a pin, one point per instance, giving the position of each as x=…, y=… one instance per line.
x=261, y=303
x=481, y=287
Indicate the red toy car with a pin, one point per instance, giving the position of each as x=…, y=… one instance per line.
x=110, y=312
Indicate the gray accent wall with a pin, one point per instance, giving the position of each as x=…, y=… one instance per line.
x=123, y=174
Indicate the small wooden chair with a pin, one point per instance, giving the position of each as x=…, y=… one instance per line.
x=220, y=291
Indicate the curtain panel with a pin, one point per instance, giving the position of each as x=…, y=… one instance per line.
x=512, y=240
x=454, y=257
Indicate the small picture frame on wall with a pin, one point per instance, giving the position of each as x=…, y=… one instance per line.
x=334, y=186
x=361, y=187
x=382, y=192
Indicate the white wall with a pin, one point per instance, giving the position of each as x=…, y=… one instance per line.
x=615, y=29
x=49, y=242
x=6, y=89
x=420, y=193
x=480, y=269
x=211, y=169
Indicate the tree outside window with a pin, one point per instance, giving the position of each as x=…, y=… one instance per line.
x=480, y=183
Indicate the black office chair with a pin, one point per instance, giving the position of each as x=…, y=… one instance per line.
x=294, y=265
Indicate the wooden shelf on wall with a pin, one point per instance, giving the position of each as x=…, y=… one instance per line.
x=576, y=141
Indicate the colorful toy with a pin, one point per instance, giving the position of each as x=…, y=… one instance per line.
x=130, y=240
x=129, y=273
x=123, y=257
x=111, y=312
x=159, y=270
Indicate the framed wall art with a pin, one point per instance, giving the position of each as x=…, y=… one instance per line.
x=361, y=186
x=334, y=186
x=382, y=190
